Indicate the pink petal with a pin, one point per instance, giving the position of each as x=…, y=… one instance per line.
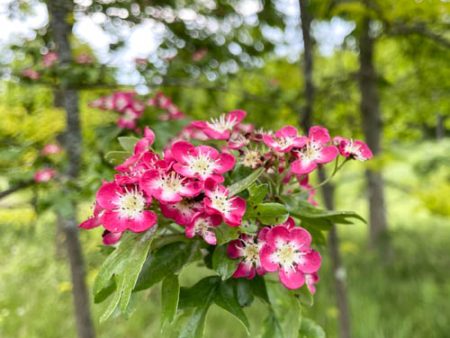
x=181, y=149
x=328, y=154
x=300, y=237
x=236, y=116
x=142, y=223
x=278, y=236
x=210, y=237
x=113, y=222
x=290, y=223
x=265, y=256
x=234, y=249
x=90, y=223
x=207, y=150
x=108, y=195
x=244, y=270
x=111, y=238
x=224, y=163
x=302, y=166
x=311, y=262
x=291, y=279
x=287, y=131
x=319, y=134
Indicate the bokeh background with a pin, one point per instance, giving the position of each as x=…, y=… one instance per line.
x=377, y=70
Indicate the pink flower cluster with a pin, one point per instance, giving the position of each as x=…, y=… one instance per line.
x=284, y=248
x=171, y=111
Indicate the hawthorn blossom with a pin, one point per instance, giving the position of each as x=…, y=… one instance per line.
x=311, y=279
x=168, y=186
x=50, y=149
x=202, y=225
x=251, y=159
x=201, y=162
x=124, y=208
x=289, y=252
x=237, y=141
x=31, y=74
x=44, y=175
x=354, y=149
x=181, y=212
x=284, y=140
x=316, y=151
x=247, y=249
x=49, y=59
x=220, y=128
x=217, y=201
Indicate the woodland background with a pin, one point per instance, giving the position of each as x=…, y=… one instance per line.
x=377, y=70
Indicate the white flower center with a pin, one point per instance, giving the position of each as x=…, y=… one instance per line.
x=251, y=159
x=251, y=252
x=201, y=164
x=171, y=183
x=131, y=204
x=222, y=123
x=202, y=226
x=354, y=150
x=221, y=202
x=284, y=142
x=287, y=256
x=312, y=151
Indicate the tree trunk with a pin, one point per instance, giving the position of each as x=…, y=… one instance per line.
x=306, y=121
x=440, y=127
x=372, y=128
x=59, y=11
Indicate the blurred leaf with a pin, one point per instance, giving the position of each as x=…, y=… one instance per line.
x=271, y=213
x=222, y=264
x=243, y=184
x=310, y=329
x=257, y=193
x=170, y=293
x=128, y=143
x=116, y=157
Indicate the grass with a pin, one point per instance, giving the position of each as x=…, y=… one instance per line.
x=408, y=297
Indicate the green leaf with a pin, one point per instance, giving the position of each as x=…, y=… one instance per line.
x=271, y=213
x=164, y=262
x=116, y=157
x=304, y=296
x=200, y=297
x=127, y=143
x=244, y=291
x=124, y=264
x=227, y=300
x=245, y=183
x=310, y=329
x=257, y=193
x=286, y=309
x=222, y=264
x=225, y=234
x=170, y=293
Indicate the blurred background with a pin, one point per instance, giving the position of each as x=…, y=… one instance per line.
x=376, y=70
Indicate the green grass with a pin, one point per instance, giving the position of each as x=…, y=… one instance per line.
x=409, y=297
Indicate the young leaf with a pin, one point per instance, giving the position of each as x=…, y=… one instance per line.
x=257, y=193
x=225, y=234
x=127, y=143
x=227, y=300
x=310, y=329
x=223, y=265
x=286, y=309
x=271, y=213
x=116, y=157
x=166, y=261
x=170, y=293
x=243, y=184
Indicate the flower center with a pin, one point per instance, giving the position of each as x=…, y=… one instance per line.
x=202, y=226
x=171, y=182
x=287, y=256
x=284, y=141
x=251, y=158
x=221, y=202
x=202, y=165
x=131, y=204
x=312, y=151
x=222, y=123
x=251, y=252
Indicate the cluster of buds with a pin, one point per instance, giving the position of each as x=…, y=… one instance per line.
x=185, y=185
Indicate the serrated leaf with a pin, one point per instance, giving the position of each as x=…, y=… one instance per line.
x=127, y=143
x=245, y=183
x=227, y=300
x=271, y=213
x=170, y=293
x=257, y=193
x=222, y=264
x=164, y=262
x=310, y=329
x=286, y=309
x=116, y=157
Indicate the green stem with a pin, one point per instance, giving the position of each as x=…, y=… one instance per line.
x=337, y=167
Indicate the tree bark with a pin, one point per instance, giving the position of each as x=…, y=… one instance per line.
x=372, y=128
x=306, y=121
x=59, y=11
x=440, y=127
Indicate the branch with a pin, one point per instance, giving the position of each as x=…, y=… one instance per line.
x=19, y=186
x=418, y=29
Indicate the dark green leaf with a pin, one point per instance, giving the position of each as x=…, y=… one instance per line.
x=245, y=183
x=127, y=143
x=244, y=291
x=271, y=213
x=170, y=293
x=222, y=264
x=164, y=262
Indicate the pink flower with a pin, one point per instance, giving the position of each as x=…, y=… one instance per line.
x=316, y=151
x=31, y=74
x=237, y=141
x=111, y=238
x=44, y=175
x=129, y=119
x=355, y=149
x=122, y=101
x=311, y=280
x=247, y=249
x=201, y=162
x=181, y=212
x=168, y=186
x=49, y=59
x=202, y=225
x=124, y=208
x=199, y=54
x=284, y=140
x=289, y=252
x=84, y=59
x=220, y=128
x=94, y=220
x=50, y=149
x=217, y=200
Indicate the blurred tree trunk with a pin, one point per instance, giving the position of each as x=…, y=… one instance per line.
x=60, y=12
x=306, y=121
x=440, y=127
x=372, y=128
